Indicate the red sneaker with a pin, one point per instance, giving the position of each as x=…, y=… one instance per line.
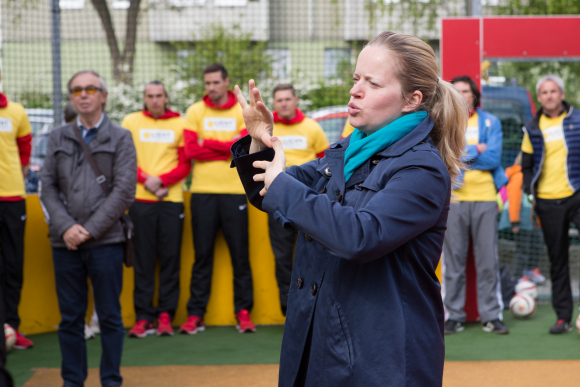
x=21, y=341
x=141, y=329
x=193, y=325
x=245, y=324
x=164, y=327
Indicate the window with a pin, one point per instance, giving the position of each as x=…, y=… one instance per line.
x=187, y=3
x=281, y=62
x=333, y=58
x=72, y=4
x=230, y=3
x=121, y=4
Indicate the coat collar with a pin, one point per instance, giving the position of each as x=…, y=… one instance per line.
x=103, y=134
x=335, y=155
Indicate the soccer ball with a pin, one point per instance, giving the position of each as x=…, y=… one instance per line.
x=10, y=336
x=527, y=287
x=578, y=324
x=522, y=306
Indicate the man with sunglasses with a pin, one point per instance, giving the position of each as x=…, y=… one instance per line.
x=85, y=232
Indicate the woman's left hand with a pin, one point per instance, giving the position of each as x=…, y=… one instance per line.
x=273, y=168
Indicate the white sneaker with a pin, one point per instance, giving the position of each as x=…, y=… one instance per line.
x=89, y=334
x=94, y=325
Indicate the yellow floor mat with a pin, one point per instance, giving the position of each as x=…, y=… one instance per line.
x=526, y=373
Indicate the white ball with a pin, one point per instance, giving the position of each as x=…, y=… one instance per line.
x=522, y=306
x=527, y=287
x=578, y=324
x=10, y=336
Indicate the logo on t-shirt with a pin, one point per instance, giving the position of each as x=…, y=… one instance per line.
x=553, y=133
x=157, y=135
x=472, y=135
x=294, y=142
x=5, y=125
x=217, y=124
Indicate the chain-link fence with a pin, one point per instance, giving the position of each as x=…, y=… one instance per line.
x=312, y=44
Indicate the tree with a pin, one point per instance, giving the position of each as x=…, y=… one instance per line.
x=243, y=58
x=122, y=61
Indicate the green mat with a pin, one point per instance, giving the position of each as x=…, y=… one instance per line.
x=528, y=340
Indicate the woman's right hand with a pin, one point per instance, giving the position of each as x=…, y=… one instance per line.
x=259, y=120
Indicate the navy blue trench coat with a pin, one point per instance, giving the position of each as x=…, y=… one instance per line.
x=364, y=306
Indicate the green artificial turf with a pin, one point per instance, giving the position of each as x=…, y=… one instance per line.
x=217, y=345
x=528, y=340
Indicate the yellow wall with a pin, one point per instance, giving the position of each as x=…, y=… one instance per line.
x=39, y=306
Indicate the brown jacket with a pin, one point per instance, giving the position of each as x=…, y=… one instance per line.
x=70, y=193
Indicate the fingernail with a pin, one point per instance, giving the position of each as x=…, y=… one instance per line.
x=274, y=139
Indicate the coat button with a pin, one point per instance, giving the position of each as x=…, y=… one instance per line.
x=327, y=171
x=314, y=289
x=299, y=283
x=375, y=161
x=308, y=238
x=339, y=196
x=323, y=190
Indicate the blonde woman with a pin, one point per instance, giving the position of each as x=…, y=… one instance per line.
x=364, y=305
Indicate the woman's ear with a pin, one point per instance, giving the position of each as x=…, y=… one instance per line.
x=413, y=101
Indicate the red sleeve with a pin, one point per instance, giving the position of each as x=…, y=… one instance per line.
x=24, y=148
x=320, y=155
x=140, y=176
x=196, y=152
x=178, y=173
x=224, y=147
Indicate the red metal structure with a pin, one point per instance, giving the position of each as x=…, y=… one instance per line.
x=466, y=42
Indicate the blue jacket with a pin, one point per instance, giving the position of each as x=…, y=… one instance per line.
x=571, y=126
x=490, y=133
x=364, y=306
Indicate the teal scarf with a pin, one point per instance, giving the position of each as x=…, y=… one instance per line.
x=363, y=147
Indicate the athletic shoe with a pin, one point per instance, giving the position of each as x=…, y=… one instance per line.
x=89, y=334
x=94, y=324
x=452, y=326
x=193, y=325
x=245, y=324
x=164, y=327
x=141, y=329
x=535, y=276
x=560, y=327
x=495, y=326
x=21, y=341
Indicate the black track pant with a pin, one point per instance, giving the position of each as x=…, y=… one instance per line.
x=12, y=222
x=209, y=213
x=556, y=215
x=282, y=241
x=158, y=230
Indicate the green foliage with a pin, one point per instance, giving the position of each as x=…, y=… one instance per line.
x=539, y=7
x=33, y=99
x=243, y=58
x=528, y=73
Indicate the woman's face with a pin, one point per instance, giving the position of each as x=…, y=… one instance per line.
x=376, y=99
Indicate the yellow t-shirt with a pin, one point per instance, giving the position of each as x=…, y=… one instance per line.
x=348, y=129
x=478, y=186
x=553, y=180
x=222, y=125
x=301, y=141
x=13, y=124
x=157, y=143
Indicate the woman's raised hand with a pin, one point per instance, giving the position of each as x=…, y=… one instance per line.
x=259, y=120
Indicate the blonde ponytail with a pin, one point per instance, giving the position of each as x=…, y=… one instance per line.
x=417, y=71
x=450, y=113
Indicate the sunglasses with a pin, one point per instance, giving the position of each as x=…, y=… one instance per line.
x=76, y=91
